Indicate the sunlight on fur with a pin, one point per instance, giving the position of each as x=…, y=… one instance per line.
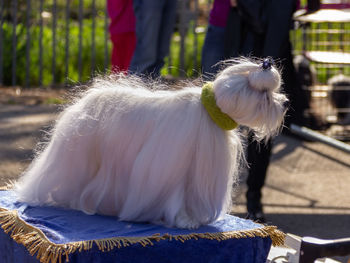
x=132, y=149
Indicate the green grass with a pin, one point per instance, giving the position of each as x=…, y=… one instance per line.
x=47, y=55
x=192, y=68
x=192, y=60
x=56, y=101
x=172, y=66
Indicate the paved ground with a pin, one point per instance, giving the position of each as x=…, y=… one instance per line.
x=307, y=190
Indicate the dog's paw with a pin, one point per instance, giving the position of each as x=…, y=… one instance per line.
x=184, y=221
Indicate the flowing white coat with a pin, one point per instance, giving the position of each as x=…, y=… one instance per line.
x=152, y=155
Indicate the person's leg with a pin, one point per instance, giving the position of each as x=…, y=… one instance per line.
x=148, y=15
x=213, y=51
x=298, y=98
x=123, y=49
x=258, y=159
x=165, y=33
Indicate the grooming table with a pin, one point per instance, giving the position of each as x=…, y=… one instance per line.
x=48, y=234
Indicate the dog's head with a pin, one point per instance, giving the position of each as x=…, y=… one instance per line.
x=249, y=92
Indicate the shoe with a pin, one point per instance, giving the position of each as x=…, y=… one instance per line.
x=257, y=217
x=255, y=207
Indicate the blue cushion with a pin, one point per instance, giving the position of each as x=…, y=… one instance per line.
x=53, y=234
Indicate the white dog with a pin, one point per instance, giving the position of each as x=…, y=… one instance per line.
x=146, y=155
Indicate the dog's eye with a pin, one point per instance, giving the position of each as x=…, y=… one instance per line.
x=286, y=104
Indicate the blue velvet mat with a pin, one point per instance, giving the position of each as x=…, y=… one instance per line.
x=54, y=234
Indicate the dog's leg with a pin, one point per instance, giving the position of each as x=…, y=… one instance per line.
x=208, y=194
x=183, y=220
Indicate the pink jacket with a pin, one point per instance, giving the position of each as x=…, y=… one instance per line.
x=122, y=16
x=219, y=13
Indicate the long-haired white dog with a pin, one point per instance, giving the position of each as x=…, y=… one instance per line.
x=150, y=155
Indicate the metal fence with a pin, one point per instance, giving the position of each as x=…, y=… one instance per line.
x=55, y=42
x=64, y=41
x=323, y=44
x=36, y=41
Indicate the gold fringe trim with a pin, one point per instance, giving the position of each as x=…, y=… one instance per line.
x=48, y=252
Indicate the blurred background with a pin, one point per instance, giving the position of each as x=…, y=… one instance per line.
x=59, y=43
x=48, y=47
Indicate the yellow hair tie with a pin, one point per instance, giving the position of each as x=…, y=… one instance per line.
x=208, y=100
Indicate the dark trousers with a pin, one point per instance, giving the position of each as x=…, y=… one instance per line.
x=258, y=158
x=155, y=22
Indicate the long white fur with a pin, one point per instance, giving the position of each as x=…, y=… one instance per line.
x=151, y=155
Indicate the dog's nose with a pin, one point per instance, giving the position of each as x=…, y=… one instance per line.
x=267, y=63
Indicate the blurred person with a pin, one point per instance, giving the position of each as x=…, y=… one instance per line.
x=261, y=29
x=254, y=28
x=213, y=50
x=155, y=20
x=122, y=33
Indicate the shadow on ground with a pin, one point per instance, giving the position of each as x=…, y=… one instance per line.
x=307, y=188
